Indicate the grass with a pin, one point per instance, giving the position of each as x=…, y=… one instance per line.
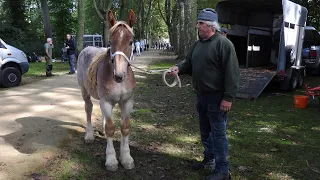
x=268, y=138
x=39, y=69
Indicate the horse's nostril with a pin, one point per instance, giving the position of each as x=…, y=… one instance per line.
x=118, y=78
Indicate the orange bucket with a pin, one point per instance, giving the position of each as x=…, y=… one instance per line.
x=300, y=101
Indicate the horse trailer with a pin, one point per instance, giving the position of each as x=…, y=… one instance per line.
x=268, y=38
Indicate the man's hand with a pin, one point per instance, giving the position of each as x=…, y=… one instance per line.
x=68, y=47
x=225, y=106
x=174, y=71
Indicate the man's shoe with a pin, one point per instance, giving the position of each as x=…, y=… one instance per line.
x=219, y=176
x=204, y=164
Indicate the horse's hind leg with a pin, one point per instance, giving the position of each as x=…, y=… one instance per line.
x=111, y=159
x=125, y=157
x=88, y=107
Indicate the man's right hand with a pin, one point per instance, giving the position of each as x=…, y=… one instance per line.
x=174, y=71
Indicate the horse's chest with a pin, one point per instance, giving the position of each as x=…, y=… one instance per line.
x=116, y=92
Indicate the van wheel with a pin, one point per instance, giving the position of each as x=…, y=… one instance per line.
x=10, y=77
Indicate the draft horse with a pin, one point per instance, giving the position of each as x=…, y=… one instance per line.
x=106, y=75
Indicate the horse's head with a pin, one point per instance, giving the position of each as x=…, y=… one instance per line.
x=121, y=41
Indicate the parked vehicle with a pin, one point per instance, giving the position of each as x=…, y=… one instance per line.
x=13, y=63
x=92, y=40
x=268, y=39
x=311, y=50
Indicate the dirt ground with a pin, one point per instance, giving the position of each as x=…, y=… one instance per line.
x=36, y=118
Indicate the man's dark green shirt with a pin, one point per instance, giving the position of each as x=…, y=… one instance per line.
x=214, y=67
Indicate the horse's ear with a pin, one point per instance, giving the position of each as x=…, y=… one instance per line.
x=131, y=18
x=112, y=21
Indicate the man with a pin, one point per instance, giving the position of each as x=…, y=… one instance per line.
x=215, y=77
x=224, y=32
x=48, y=48
x=137, y=44
x=71, y=52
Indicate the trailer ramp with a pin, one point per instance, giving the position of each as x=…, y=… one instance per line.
x=253, y=81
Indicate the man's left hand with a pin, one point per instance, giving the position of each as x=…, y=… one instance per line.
x=225, y=106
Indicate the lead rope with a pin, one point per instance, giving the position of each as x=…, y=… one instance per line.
x=175, y=82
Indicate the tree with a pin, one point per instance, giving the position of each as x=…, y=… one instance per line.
x=102, y=7
x=46, y=18
x=122, y=10
x=80, y=31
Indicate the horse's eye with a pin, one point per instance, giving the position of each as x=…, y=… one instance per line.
x=131, y=42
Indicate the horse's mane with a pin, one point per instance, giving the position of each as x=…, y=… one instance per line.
x=119, y=23
x=93, y=69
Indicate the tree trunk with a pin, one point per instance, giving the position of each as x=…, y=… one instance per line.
x=122, y=10
x=190, y=21
x=181, y=53
x=102, y=7
x=80, y=31
x=46, y=18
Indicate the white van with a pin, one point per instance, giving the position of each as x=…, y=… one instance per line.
x=13, y=63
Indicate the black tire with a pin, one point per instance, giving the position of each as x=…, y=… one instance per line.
x=293, y=83
x=10, y=77
x=289, y=61
x=301, y=79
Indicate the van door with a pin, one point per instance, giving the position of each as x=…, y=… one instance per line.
x=2, y=47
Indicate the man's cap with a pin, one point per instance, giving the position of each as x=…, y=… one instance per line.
x=208, y=14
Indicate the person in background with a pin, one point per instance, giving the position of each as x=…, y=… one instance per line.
x=137, y=44
x=214, y=67
x=48, y=49
x=224, y=32
x=71, y=52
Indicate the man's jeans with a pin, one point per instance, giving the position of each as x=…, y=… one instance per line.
x=213, y=130
x=71, y=63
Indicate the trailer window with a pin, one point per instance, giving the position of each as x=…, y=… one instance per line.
x=292, y=26
x=286, y=24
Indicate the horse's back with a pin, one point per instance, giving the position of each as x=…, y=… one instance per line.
x=84, y=61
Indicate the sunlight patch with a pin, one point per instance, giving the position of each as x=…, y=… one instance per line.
x=266, y=129
x=281, y=176
x=316, y=128
x=148, y=127
x=187, y=139
x=171, y=149
x=40, y=108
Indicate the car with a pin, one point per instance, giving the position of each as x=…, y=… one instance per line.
x=311, y=50
x=13, y=64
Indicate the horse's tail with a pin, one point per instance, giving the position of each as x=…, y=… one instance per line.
x=92, y=71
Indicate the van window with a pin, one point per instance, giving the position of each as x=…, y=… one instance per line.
x=2, y=46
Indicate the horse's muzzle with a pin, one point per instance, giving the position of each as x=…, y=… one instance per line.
x=118, y=78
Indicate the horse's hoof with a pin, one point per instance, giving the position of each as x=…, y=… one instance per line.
x=112, y=167
x=128, y=165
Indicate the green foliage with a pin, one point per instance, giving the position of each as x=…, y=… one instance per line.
x=92, y=24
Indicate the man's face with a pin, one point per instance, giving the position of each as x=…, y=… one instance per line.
x=204, y=30
x=68, y=36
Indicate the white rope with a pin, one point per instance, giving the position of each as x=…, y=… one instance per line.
x=175, y=82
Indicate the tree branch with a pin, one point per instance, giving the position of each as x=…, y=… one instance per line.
x=97, y=10
x=161, y=14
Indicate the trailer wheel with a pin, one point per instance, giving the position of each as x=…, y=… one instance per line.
x=294, y=81
x=289, y=54
x=301, y=78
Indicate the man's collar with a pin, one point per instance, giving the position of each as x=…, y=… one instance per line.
x=211, y=38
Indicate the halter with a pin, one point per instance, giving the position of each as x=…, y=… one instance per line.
x=112, y=55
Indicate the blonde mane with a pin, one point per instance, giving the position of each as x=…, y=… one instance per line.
x=93, y=69
x=123, y=23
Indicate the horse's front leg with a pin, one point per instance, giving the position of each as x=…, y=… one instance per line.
x=125, y=157
x=111, y=159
